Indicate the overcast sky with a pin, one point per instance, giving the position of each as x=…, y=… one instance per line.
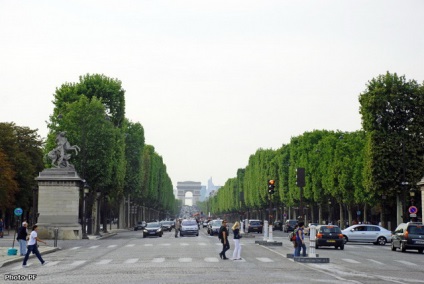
x=210, y=81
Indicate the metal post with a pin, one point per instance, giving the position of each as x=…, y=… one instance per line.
x=265, y=229
x=56, y=236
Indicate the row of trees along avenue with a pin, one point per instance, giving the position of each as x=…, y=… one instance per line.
x=371, y=170
x=114, y=160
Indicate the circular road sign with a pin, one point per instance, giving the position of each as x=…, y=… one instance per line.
x=18, y=211
x=413, y=209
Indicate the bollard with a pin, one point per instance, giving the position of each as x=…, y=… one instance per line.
x=312, y=240
x=265, y=229
x=270, y=239
x=56, y=235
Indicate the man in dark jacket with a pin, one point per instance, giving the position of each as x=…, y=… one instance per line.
x=223, y=233
x=22, y=238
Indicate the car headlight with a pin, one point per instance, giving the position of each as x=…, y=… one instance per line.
x=145, y=230
x=159, y=230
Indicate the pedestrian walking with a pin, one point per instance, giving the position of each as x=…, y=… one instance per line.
x=1, y=227
x=22, y=238
x=177, y=227
x=294, y=242
x=223, y=235
x=237, y=237
x=300, y=240
x=33, y=247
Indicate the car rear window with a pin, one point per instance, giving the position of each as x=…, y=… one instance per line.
x=189, y=223
x=335, y=230
x=416, y=230
x=256, y=223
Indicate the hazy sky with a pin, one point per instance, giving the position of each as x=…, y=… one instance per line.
x=210, y=81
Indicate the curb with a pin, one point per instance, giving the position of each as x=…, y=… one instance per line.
x=266, y=243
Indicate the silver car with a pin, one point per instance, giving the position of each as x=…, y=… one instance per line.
x=365, y=233
x=189, y=227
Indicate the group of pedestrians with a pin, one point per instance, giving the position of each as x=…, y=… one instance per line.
x=28, y=244
x=299, y=243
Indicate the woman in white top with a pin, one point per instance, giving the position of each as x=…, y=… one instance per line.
x=32, y=246
x=237, y=237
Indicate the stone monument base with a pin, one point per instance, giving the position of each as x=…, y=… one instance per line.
x=65, y=231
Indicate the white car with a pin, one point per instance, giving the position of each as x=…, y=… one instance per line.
x=365, y=233
x=189, y=227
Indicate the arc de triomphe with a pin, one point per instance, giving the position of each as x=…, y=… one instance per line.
x=189, y=186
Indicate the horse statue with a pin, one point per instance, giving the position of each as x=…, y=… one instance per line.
x=59, y=156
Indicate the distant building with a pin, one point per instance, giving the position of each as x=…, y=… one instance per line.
x=203, y=193
x=189, y=186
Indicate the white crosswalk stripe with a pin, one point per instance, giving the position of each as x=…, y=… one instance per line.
x=148, y=245
x=159, y=259
x=406, y=262
x=130, y=245
x=264, y=259
x=78, y=262
x=131, y=260
x=185, y=259
x=93, y=247
x=52, y=263
x=74, y=248
x=375, y=261
x=112, y=246
x=211, y=259
x=350, y=260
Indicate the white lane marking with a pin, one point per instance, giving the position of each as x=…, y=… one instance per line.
x=148, y=245
x=202, y=244
x=369, y=247
x=52, y=263
x=185, y=259
x=78, y=262
x=103, y=261
x=350, y=260
x=406, y=262
x=183, y=244
x=375, y=261
x=112, y=246
x=264, y=259
x=74, y=248
x=158, y=259
x=131, y=260
x=93, y=247
x=165, y=244
x=130, y=245
x=211, y=259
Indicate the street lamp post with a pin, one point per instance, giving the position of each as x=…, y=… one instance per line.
x=86, y=189
x=98, y=213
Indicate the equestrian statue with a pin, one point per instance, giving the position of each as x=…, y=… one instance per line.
x=59, y=156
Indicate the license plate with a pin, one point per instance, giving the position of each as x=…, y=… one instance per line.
x=152, y=233
x=331, y=241
x=419, y=242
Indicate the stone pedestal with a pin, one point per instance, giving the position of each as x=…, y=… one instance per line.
x=58, y=204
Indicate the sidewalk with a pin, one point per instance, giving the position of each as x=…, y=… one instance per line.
x=7, y=241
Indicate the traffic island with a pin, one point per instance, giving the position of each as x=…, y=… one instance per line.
x=266, y=243
x=290, y=255
x=312, y=259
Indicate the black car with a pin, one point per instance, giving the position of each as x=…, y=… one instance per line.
x=167, y=225
x=140, y=226
x=408, y=236
x=278, y=225
x=330, y=236
x=254, y=226
x=153, y=229
x=289, y=225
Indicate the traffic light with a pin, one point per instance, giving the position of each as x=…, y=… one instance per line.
x=271, y=186
x=300, y=177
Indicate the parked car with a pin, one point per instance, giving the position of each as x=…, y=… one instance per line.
x=167, y=225
x=408, y=236
x=189, y=227
x=366, y=233
x=153, y=229
x=254, y=226
x=329, y=235
x=289, y=225
x=140, y=226
x=278, y=225
x=213, y=227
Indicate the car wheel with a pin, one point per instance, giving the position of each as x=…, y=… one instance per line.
x=342, y=247
x=144, y=236
x=393, y=247
x=135, y=229
x=197, y=234
x=381, y=241
x=316, y=246
x=420, y=250
x=336, y=247
x=402, y=247
x=345, y=239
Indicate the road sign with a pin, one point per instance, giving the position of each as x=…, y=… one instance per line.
x=412, y=215
x=413, y=209
x=18, y=211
